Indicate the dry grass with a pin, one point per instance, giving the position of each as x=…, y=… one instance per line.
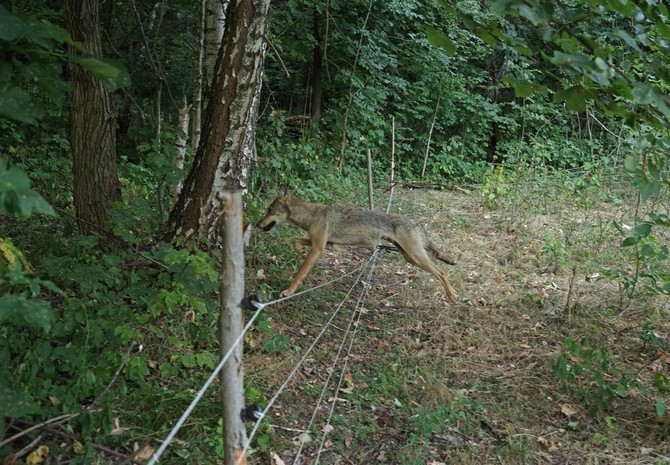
x=479, y=374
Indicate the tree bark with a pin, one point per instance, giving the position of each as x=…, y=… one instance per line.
x=317, y=63
x=215, y=26
x=198, y=78
x=226, y=151
x=180, y=148
x=93, y=124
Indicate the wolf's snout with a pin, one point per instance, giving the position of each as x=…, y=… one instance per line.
x=268, y=226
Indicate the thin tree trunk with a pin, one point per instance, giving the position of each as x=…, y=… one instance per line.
x=227, y=150
x=93, y=124
x=215, y=25
x=180, y=149
x=430, y=135
x=315, y=81
x=343, y=144
x=198, y=79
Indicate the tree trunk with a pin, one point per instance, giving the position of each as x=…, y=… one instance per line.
x=180, y=149
x=315, y=81
x=196, y=116
x=93, y=124
x=215, y=25
x=226, y=150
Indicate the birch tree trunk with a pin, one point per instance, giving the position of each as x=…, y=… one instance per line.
x=93, y=124
x=226, y=151
x=180, y=149
x=198, y=79
x=215, y=26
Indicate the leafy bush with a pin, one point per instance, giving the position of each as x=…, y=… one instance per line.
x=594, y=374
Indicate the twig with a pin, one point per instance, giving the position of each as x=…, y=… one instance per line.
x=20, y=434
x=430, y=134
x=351, y=89
x=285, y=428
x=98, y=447
x=25, y=450
x=104, y=392
x=115, y=238
x=276, y=52
x=592, y=115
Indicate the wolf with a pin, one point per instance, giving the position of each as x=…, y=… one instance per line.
x=329, y=225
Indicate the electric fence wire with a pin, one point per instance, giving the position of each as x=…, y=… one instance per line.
x=259, y=308
x=356, y=325
x=356, y=315
x=353, y=322
x=302, y=359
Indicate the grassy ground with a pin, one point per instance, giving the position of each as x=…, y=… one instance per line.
x=429, y=382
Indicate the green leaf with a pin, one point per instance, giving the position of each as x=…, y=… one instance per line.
x=575, y=98
x=631, y=164
x=629, y=241
x=523, y=89
x=440, y=39
x=660, y=408
x=11, y=27
x=17, y=105
x=15, y=403
x=649, y=189
x=647, y=251
x=642, y=230
x=26, y=312
x=112, y=73
x=630, y=41
x=16, y=196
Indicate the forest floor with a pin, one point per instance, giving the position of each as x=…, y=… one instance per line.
x=473, y=382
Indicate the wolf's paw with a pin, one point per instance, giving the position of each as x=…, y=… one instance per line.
x=286, y=293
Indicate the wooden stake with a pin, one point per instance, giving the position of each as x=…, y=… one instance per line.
x=371, y=203
x=392, y=154
x=430, y=135
x=231, y=323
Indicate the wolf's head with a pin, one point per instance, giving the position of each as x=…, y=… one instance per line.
x=278, y=212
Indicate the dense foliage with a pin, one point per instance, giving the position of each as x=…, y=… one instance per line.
x=461, y=93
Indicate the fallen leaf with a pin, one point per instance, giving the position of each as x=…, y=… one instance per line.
x=382, y=345
x=275, y=460
x=348, y=438
x=37, y=456
x=145, y=453
x=116, y=427
x=78, y=448
x=304, y=437
x=568, y=410
x=328, y=429
x=55, y=401
x=349, y=383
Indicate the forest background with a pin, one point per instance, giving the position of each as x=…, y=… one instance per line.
x=98, y=247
